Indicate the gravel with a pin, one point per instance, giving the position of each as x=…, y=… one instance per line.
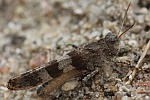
x=30, y=27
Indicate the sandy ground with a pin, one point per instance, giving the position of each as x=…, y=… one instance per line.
x=28, y=28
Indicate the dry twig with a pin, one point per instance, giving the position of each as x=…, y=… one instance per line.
x=131, y=77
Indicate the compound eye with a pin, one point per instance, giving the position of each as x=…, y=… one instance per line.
x=113, y=39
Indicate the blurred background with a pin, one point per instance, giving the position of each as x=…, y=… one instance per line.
x=28, y=28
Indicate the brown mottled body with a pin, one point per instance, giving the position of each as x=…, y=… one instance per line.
x=95, y=54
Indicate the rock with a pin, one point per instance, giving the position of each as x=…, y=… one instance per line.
x=36, y=61
x=70, y=85
x=133, y=43
x=125, y=98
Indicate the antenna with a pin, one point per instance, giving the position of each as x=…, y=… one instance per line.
x=126, y=30
x=124, y=21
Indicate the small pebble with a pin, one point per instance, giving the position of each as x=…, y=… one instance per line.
x=106, y=85
x=147, y=98
x=94, y=34
x=144, y=10
x=70, y=85
x=133, y=43
x=79, y=11
x=123, y=58
x=105, y=32
x=146, y=66
x=36, y=61
x=125, y=98
x=140, y=19
x=124, y=49
x=140, y=75
x=97, y=94
x=125, y=89
x=18, y=50
x=130, y=77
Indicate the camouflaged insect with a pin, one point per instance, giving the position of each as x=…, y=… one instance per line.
x=99, y=53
